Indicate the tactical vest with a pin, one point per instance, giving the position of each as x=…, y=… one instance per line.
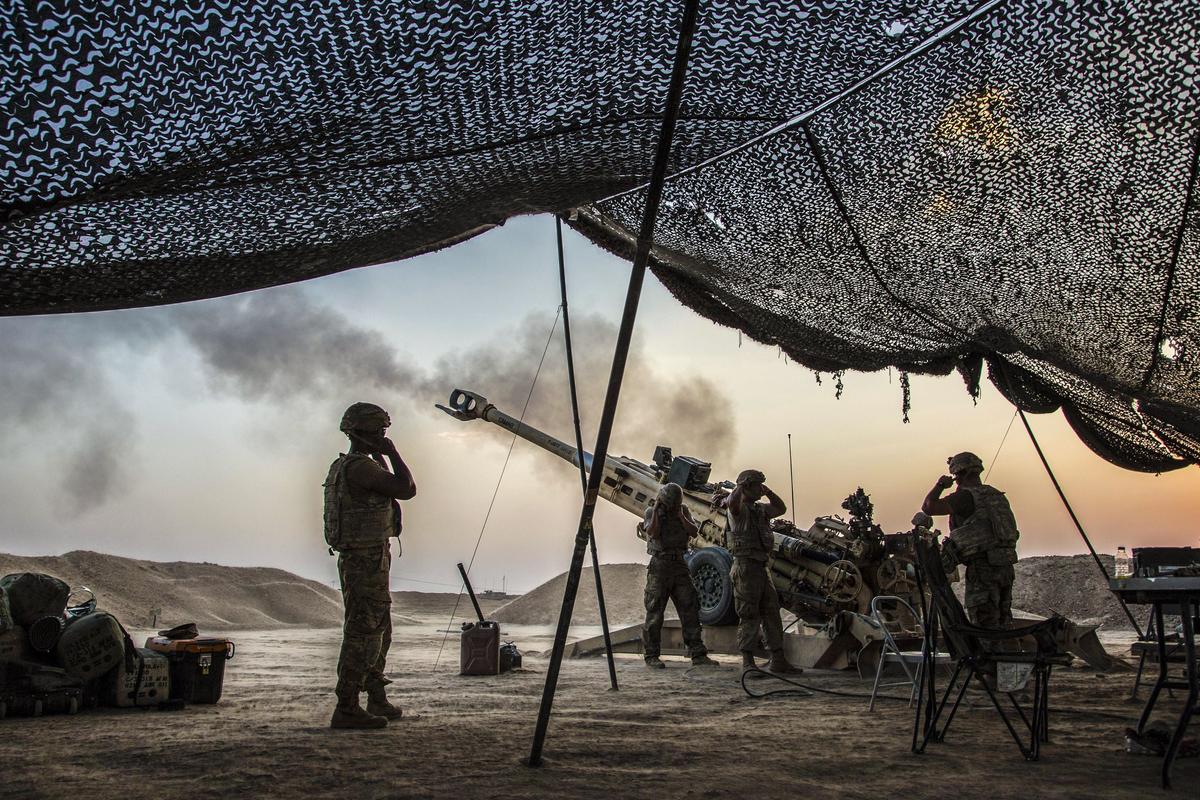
x=750, y=532
x=672, y=537
x=991, y=531
x=356, y=520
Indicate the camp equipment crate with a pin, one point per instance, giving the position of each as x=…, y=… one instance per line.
x=144, y=681
x=197, y=666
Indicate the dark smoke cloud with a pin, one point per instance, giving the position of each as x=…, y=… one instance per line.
x=690, y=414
x=53, y=391
x=280, y=347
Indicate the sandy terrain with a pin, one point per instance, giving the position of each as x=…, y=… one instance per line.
x=674, y=733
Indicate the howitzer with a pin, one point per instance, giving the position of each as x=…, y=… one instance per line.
x=826, y=575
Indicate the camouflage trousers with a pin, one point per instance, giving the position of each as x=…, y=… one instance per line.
x=988, y=597
x=669, y=579
x=757, y=605
x=367, y=630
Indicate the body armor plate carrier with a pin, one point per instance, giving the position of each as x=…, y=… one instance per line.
x=750, y=533
x=360, y=519
x=990, y=532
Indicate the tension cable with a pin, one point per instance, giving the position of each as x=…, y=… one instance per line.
x=487, y=516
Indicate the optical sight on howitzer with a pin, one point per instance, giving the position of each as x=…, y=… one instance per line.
x=826, y=575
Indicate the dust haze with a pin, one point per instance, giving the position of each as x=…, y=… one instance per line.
x=280, y=347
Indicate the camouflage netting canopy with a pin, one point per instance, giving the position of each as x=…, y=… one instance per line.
x=929, y=185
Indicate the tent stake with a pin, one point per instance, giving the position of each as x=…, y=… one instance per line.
x=620, y=355
x=562, y=283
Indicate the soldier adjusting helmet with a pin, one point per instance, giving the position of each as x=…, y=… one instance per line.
x=750, y=476
x=964, y=464
x=670, y=496
x=364, y=417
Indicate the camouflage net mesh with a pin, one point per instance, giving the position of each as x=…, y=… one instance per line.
x=929, y=185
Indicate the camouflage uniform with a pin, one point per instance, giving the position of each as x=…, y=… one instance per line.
x=754, y=595
x=358, y=524
x=985, y=541
x=367, y=630
x=668, y=578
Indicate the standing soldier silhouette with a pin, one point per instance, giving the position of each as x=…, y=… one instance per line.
x=983, y=535
x=668, y=527
x=361, y=515
x=754, y=595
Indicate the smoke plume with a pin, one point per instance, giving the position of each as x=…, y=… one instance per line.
x=280, y=347
x=690, y=414
x=54, y=392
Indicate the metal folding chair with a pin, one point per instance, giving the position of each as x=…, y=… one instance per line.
x=892, y=625
x=977, y=652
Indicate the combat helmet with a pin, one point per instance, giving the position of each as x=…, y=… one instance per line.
x=364, y=417
x=964, y=463
x=670, y=496
x=750, y=476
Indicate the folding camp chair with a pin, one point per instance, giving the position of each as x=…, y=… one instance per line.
x=893, y=626
x=1146, y=649
x=977, y=652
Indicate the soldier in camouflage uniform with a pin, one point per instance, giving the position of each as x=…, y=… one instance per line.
x=983, y=536
x=361, y=515
x=668, y=526
x=751, y=542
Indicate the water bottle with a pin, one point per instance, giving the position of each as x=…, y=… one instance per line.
x=1124, y=564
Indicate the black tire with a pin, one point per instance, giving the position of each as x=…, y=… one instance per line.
x=710, y=567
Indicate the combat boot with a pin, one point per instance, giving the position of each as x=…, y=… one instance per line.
x=704, y=661
x=653, y=662
x=380, y=706
x=748, y=664
x=780, y=666
x=349, y=714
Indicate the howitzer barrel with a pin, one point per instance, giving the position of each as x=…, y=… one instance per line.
x=466, y=406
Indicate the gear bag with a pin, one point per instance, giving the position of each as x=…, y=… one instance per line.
x=33, y=595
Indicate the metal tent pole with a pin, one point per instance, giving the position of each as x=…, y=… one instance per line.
x=1012, y=394
x=562, y=283
x=1075, y=519
x=792, y=478
x=620, y=355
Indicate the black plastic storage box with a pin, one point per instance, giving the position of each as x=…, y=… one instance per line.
x=197, y=666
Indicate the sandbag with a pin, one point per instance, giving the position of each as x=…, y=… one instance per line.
x=6, y=620
x=33, y=595
x=91, y=646
x=15, y=649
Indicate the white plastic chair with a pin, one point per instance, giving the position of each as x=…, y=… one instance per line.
x=911, y=661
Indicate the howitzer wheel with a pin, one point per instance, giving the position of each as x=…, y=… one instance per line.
x=709, y=567
x=892, y=577
x=842, y=582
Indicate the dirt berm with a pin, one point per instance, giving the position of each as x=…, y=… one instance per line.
x=1070, y=585
x=211, y=595
x=624, y=586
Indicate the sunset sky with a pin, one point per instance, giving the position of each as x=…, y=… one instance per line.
x=203, y=432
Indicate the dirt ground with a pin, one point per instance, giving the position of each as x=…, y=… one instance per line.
x=672, y=733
